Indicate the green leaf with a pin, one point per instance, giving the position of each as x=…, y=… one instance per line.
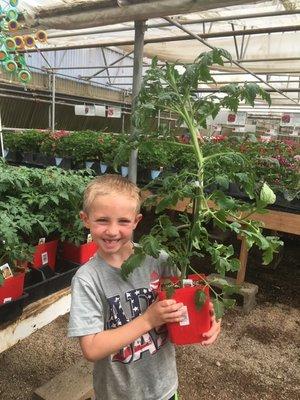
x=218, y=308
x=200, y=298
x=131, y=264
x=223, y=201
x=223, y=181
x=230, y=289
x=171, y=232
x=218, y=281
x=169, y=291
x=229, y=303
x=267, y=195
x=151, y=246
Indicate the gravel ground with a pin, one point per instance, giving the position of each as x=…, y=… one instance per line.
x=255, y=358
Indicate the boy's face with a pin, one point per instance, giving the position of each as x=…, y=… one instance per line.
x=111, y=220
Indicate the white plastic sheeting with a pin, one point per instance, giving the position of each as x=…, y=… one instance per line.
x=276, y=53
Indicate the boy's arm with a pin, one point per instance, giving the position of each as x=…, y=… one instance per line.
x=100, y=345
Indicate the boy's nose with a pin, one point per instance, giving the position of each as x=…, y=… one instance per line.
x=112, y=229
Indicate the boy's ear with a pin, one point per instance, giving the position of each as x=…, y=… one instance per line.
x=84, y=218
x=137, y=220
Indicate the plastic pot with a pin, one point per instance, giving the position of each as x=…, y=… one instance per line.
x=196, y=322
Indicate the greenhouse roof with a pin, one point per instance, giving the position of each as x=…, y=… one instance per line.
x=262, y=37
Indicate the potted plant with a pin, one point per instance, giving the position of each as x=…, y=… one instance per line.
x=153, y=157
x=108, y=144
x=59, y=145
x=186, y=235
x=13, y=254
x=31, y=144
x=13, y=147
x=122, y=154
x=86, y=149
x=77, y=246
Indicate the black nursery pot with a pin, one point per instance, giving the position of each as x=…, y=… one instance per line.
x=12, y=310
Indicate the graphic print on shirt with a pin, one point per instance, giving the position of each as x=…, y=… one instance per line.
x=150, y=341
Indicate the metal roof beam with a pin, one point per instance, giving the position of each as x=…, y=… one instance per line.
x=233, y=62
x=242, y=32
x=91, y=31
x=124, y=13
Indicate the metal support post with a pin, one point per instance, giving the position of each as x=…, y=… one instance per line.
x=53, y=103
x=140, y=27
x=1, y=137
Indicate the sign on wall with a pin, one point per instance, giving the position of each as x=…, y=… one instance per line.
x=114, y=112
x=90, y=110
x=229, y=118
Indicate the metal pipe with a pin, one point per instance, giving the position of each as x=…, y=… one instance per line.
x=102, y=66
x=258, y=31
x=235, y=42
x=1, y=137
x=93, y=14
x=53, y=103
x=270, y=90
x=91, y=31
x=249, y=60
x=140, y=27
x=233, y=62
x=113, y=63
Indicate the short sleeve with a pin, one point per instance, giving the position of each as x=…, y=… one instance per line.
x=86, y=312
x=166, y=268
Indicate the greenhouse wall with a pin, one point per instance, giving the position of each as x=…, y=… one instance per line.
x=17, y=113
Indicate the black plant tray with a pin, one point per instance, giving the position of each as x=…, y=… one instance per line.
x=44, y=281
x=13, y=309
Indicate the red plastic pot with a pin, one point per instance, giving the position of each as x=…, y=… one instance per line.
x=12, y=288
x=196, y=321
x=78, y=254
x=45, y=252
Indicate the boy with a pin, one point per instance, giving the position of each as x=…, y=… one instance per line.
x=119, y=324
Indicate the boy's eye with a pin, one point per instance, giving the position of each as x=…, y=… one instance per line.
x=124, y=221
x=101, y=220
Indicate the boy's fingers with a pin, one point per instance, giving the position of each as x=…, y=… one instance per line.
x=171, y=302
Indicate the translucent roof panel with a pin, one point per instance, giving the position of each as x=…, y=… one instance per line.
x=263, y=36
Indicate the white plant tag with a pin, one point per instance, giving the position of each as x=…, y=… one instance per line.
x=42, y=240
x=6, y=271
x=187, y=282
x=89, y=238
x=7, y=300
x=185, y=315
x=44, y=258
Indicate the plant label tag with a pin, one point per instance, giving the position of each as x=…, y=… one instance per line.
x=42, y=240
x=89, y=238
x=45, y=258
x=185, y=315
x=6, y=271
x=7, y=300
x=187, y=282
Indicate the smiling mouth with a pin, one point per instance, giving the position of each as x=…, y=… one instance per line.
x=110, y=241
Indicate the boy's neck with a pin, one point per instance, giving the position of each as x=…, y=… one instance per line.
x=116, y=260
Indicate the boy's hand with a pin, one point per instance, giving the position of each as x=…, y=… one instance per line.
x=214, y=331
x=161, y=312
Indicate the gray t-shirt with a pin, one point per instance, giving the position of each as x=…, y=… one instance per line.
x=101, y=300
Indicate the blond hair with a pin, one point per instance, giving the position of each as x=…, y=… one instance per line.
x=110, y=184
